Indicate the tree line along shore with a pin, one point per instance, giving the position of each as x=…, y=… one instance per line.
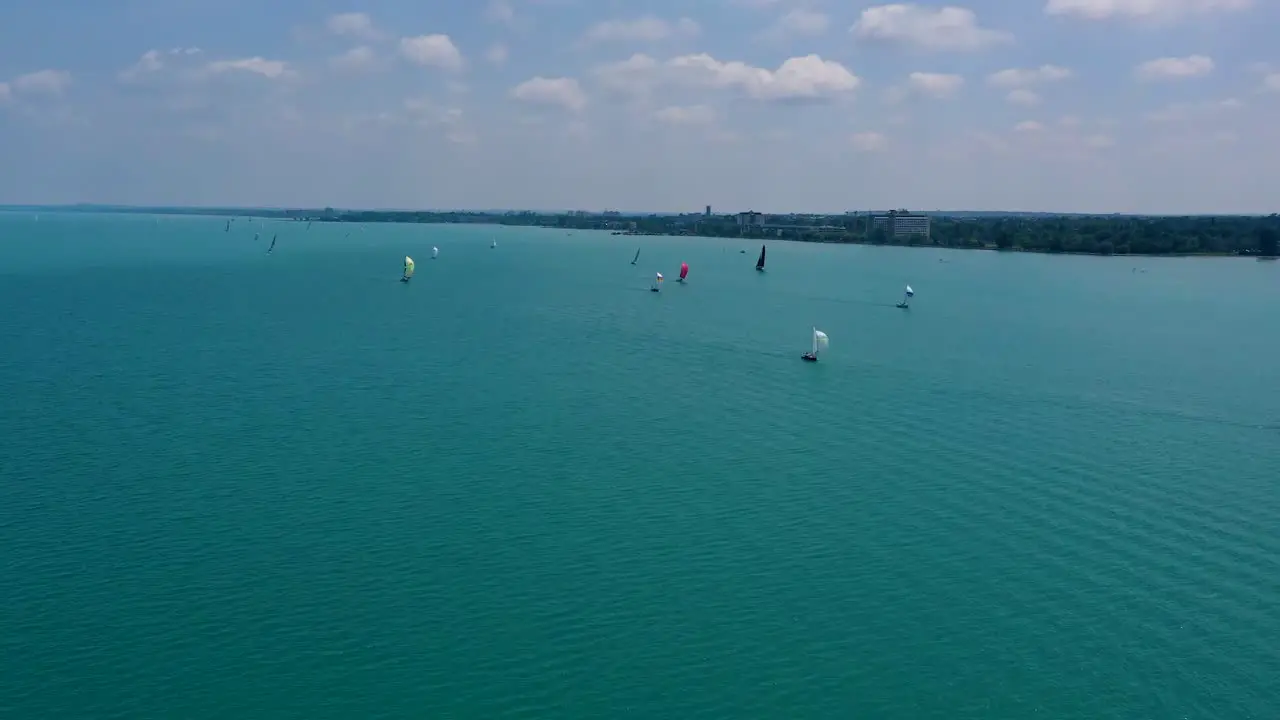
x=1084, y=234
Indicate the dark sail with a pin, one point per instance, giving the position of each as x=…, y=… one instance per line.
x=760, y=262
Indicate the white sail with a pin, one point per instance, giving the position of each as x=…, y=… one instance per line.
x=820, y=341
x=910, y=292
x=435, y=253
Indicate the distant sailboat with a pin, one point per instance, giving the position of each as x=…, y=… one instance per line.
x=906, y=297
x=657, y=283
x=819, y=344
x=255, y=237
x=760, y=262
x=227, y=227
x=308, y=224
x=273, y=244
x=637, y=257
x=684, y=271
x=435, y=253
x=493, y=244
x=408, y=269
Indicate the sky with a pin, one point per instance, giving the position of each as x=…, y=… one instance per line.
x=1144, y=106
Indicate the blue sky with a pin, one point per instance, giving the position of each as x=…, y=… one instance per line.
x=775, y=105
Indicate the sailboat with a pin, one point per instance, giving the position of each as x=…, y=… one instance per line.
x=493, y=244
x=657, y=283
x=435, y=253
x=273, y=244
x=408, y=269
x=684, y=271
x=906, y=296
x=760, y=262
x=637, y=257
x=819, y=344
x=308, y=224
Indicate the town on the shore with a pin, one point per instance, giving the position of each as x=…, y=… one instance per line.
x=1035, y=232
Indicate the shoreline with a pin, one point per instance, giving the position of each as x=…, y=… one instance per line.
x=1246, y=236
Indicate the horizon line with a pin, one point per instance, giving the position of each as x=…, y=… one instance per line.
x=109, y=206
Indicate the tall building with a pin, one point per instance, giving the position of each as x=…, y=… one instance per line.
x=708, y=212
x=900, y=223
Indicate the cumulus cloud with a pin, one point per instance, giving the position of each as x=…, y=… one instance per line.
x=436, y=50
x=42, y=82
x=353, y=24
x=1025, y=77
x=563, y=92
x=357, y=58
x=807, y=77
x=1174, y=68
x=935, y=85
x=1186, y=112
x=154, y=61
x=798, y=22
x=273, y=69
x=1142, y=9
x=643, y=29
x=947, y=29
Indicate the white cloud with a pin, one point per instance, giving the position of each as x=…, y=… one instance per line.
x=686, y=115
x=637, y=75
x=435, y=50
x=42, y=82
x=357, y=58
x=799, y=78
x=1023, y=97
x=869, y=142
x=1025, y=77
x=496, y=54
x=353, y=24
x=155, y=61
x=799, y=22
x=1271, y=83
x=935, y=85
x=644, y=29
x=1172, y=68
x=500, y=11
x=1142, y=9
x=942, y=29
x=565, y=92
x=1027, y=126
x=1186, y=112
x=273, y=69
x=5, y=93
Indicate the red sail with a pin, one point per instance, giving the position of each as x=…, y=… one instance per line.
x=684, y=270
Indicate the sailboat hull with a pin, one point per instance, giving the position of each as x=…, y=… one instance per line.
x=809, y=357
x=904, y=306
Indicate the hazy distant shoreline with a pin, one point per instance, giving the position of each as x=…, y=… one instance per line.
x=1050, y=233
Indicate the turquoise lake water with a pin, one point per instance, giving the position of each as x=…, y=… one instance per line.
x=523, y=486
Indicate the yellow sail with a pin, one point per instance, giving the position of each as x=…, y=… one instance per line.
x=408, y=266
